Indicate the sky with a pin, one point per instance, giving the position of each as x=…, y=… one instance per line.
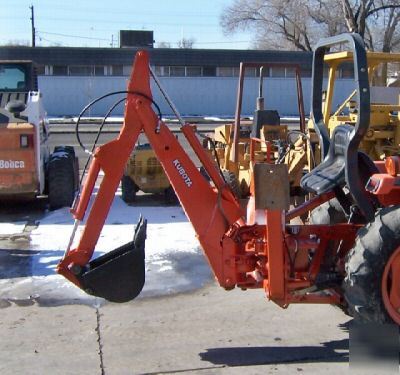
x=96, y=23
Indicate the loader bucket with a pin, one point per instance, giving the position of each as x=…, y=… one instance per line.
x=118, y=276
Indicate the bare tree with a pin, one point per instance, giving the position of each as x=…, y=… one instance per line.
x=186, y=43
x=163, y=45
x=298, y=24
x=282, y=24
x=362, y=15
x=18, y=42
x=386, y=29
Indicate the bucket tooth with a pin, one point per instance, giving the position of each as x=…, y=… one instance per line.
x=119, y=275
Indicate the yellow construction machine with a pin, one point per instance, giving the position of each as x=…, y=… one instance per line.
x=236, y=145
x=383, y=136
x=143, y=172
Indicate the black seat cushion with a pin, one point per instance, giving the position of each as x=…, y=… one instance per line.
x=331, y=172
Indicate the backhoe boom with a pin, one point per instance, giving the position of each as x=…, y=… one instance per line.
x=211, y=210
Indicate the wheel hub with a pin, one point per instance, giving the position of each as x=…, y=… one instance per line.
x=391, y=286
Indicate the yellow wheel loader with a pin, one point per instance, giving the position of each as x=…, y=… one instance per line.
x=383, y=136
x=143, y=172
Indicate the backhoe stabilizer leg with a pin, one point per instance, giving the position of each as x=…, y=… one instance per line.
x=119, y=275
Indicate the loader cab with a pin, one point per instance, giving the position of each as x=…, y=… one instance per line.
x=18, y=76
x=17, y=79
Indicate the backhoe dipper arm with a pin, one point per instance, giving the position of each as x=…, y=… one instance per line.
x=212, y=211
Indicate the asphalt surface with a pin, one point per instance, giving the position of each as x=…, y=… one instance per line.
x=210, y=331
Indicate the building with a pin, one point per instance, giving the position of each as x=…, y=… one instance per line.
x=199, y=81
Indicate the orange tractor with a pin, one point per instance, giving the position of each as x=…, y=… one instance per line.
x=354, y=263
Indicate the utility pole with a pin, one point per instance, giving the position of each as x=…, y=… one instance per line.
x=33, y=25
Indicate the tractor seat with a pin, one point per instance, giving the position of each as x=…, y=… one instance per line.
x=331, y=172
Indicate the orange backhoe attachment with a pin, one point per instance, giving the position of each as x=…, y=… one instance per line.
x=119, y=275
x=262, y=248
x=261, y=251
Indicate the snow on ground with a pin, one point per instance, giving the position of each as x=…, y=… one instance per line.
x=8, y=228
x=174, y=260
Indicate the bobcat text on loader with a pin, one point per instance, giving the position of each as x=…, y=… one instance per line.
x=354, y=264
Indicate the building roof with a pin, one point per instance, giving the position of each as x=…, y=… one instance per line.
x=158, y=56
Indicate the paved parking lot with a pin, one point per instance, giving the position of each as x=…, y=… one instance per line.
x=209, y=331
x=206, y=331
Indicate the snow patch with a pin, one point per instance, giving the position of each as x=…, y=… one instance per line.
x=174, y=260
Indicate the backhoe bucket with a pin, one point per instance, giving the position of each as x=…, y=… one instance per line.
x=119, y=275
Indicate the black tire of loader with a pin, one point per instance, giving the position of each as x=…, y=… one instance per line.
x=70, y=151
x=365, y=264
x=170, y=196
x=128, y=188
x=232, y=182
x=61, y=180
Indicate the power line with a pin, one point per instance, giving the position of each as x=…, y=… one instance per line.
x=54, y=42
x=73, y=36
x=122, y=22
x=108, y=40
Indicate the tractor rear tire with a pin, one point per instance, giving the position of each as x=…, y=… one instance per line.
x=328, y=213
x=232, y=182
x=365, y=265
x=61, y=180
x=129, y=189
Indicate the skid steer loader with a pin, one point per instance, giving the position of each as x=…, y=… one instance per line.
x=354, y=264
x=27, y=168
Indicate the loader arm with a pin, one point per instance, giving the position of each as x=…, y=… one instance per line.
x=211, y=210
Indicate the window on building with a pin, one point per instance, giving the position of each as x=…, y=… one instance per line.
x=209, y=71
x=126, y=70
x=60, y=70
x=177, y=71
x=277, y=72
x=225, y=71
x=99, y=70
x=250, y=72
x=266, y=72
x=193, y=71
x=305, y=72
x=117, y=70
x=80, y=70
x=161, y=71
x=290, y=72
